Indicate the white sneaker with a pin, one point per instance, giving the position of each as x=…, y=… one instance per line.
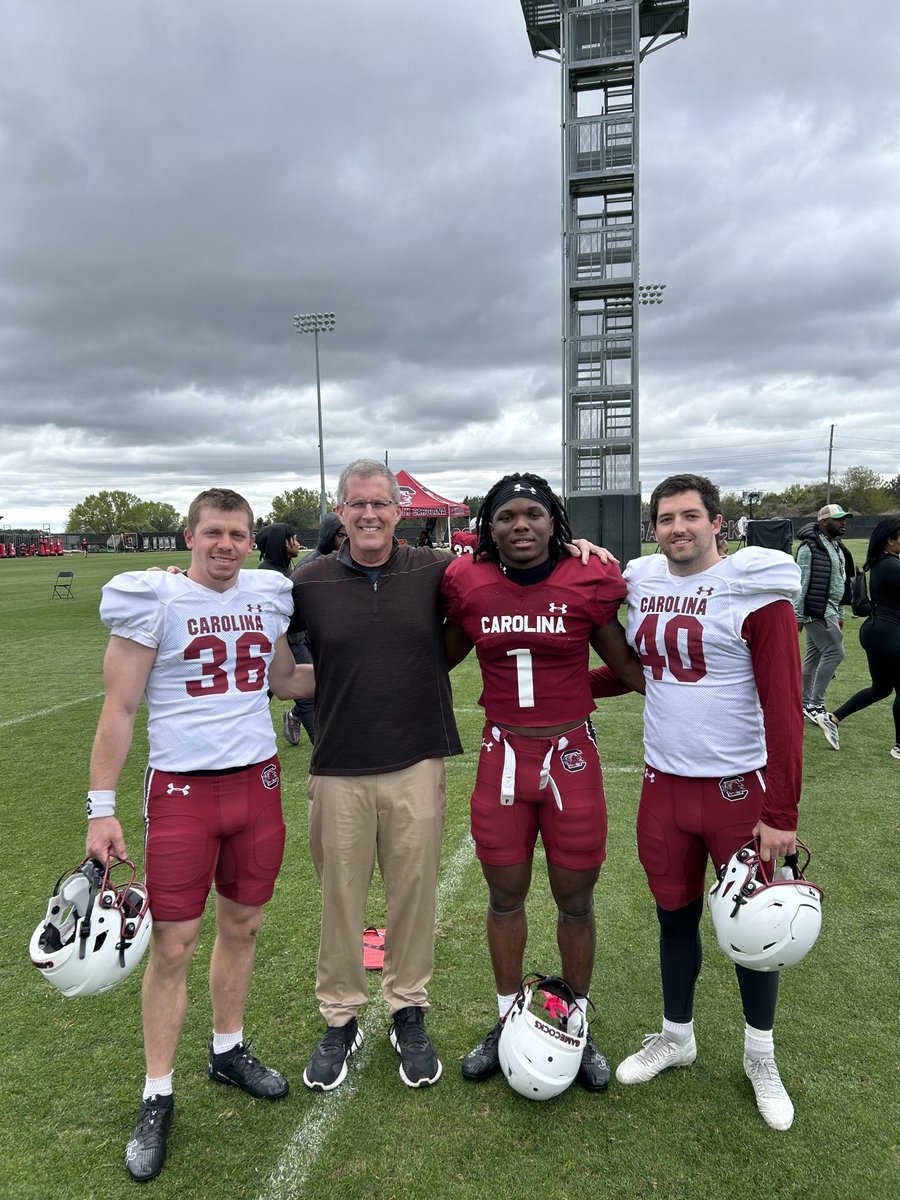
x=657, y=1053
x=895, y=752
x=772, y=1100
x=811, y=713
x=828, y=725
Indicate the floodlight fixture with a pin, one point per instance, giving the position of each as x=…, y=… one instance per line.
x=751, y=498
x=650, y=293
x=316, y=323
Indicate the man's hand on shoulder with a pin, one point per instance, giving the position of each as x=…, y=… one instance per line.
x=583, y=549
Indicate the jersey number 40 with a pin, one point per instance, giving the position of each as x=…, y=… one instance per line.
x=682, y=650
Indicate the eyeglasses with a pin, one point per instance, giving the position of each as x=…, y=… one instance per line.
x=362, y=505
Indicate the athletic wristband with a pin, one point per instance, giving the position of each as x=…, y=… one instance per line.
x=101, y=803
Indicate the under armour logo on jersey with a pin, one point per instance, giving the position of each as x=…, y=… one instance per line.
x=254, y=608
x=171, y=789
x=560, y=608
x=649, y=775
x=519, y=488
x=487, y=745
x=702, y=591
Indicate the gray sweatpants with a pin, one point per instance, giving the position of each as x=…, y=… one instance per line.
x=824, y=654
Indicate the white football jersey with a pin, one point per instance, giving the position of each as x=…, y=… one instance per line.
x=207, y=700
x=686, y=630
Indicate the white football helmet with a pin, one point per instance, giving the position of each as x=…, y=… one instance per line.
x=542, y=1040
x=95, y=931
x=761, y=923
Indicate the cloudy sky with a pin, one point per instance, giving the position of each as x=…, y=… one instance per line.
x=177, y=179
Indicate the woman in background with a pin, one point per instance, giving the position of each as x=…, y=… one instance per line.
x=879, y=635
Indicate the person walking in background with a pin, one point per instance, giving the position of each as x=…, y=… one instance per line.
x=826, y=568
x=879, y=634
x=302, y=712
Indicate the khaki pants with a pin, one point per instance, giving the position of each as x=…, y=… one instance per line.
x=398, y=817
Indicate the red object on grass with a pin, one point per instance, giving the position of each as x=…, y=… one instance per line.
x=373, y=948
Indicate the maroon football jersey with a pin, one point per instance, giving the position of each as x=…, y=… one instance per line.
x=462, y=542
x=532, y=642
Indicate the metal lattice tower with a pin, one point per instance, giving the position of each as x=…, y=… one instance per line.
x=599, y=45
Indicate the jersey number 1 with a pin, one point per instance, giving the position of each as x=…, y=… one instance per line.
x=524, y=677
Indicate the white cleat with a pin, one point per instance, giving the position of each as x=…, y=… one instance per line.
x=657, y=1054
x=828, y=725
x=772, y=1100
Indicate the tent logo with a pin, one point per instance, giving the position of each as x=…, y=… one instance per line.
x=406, y=496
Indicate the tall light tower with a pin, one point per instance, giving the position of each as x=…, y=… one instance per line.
x=599, y=45
x=316, y=323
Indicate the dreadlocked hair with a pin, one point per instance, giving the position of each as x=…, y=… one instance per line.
x=559, y=538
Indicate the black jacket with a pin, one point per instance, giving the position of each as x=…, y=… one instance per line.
x=816, y=598
x=271, y=542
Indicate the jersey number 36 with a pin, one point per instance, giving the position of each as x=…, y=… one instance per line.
x=212, y=653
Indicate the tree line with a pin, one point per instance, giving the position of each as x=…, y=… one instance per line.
x=858, y=489
x=118, y=511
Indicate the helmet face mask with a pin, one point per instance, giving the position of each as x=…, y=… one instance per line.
x=543, y=1038
x=96, y=928
x=762, y=922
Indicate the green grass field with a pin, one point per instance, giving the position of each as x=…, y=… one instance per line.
x=73, y=1069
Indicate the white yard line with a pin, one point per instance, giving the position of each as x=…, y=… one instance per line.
x=46, y=712
x=300, y=1155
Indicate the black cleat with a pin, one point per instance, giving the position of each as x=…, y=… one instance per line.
x=593, y=1074
x=145, y=1154
x=484, y=1060
x=242, y=1069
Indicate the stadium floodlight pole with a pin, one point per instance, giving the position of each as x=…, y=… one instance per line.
x=316, y=323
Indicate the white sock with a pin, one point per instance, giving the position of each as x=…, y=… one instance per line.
x=226, y=1041
x=759, y=1043
x=157, y=1087
x=677, y=1032
x=505, y=1003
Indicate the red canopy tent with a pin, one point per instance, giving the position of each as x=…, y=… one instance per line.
x=416, y=500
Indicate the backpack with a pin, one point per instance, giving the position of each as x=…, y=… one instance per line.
x=860, y=604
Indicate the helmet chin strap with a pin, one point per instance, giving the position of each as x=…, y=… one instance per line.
x=92, y=874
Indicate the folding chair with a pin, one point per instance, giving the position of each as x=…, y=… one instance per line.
x=62, y=589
